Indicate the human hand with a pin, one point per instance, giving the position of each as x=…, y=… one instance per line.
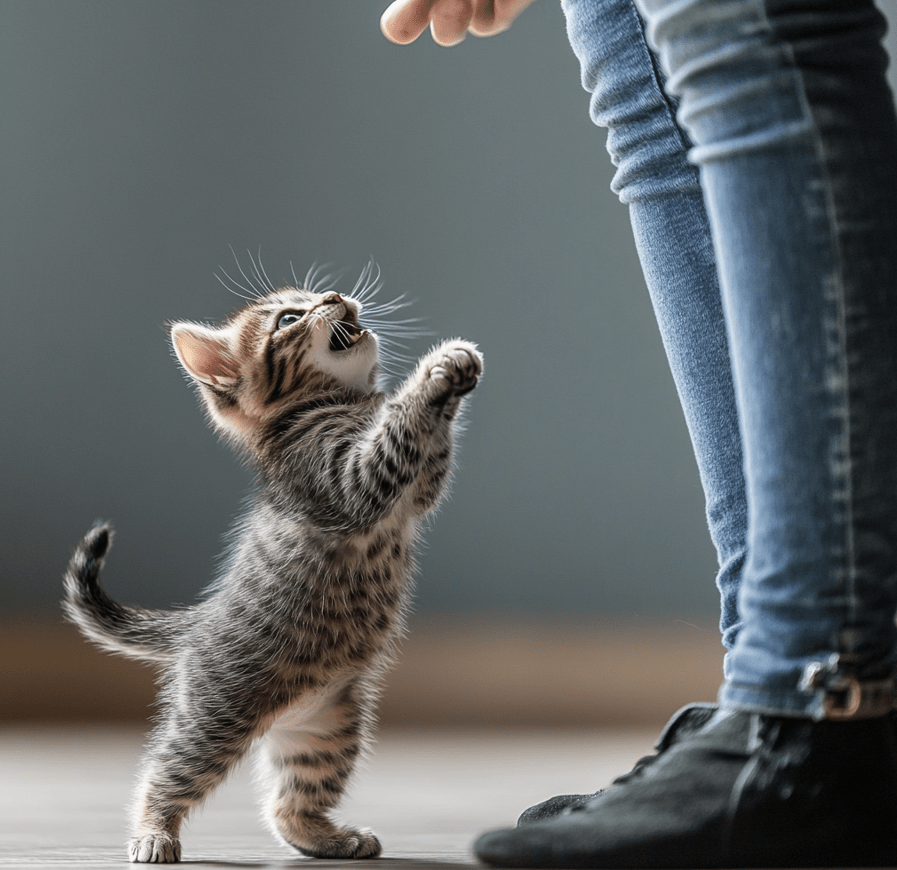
x=449, y=20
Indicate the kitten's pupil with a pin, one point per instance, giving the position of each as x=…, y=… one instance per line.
x=288, y=320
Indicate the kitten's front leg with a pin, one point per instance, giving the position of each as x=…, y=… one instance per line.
x=411, y=436
x=444, y=376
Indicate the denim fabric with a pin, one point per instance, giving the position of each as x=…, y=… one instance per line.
x=791, y=126
x=672, y=237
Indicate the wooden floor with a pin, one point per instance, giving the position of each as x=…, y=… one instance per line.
x=63, y=794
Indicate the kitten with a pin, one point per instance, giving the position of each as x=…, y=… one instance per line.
x=291, y=643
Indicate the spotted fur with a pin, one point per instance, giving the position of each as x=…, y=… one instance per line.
x=288, y=648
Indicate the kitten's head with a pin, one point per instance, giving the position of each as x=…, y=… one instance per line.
x=289, y=344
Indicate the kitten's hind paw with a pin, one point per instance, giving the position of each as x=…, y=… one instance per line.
x=154, y=849
x=350, y=844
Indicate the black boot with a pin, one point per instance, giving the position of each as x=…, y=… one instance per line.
x=747, y=790
x=686, y=721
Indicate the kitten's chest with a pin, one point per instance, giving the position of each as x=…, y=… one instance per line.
x=363, y=585
x=333, y=600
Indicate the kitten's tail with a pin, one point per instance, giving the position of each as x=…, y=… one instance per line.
x=149, y=635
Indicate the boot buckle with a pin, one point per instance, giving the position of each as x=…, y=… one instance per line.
x=846, y=697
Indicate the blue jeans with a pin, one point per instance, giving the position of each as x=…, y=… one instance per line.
x=756, y=148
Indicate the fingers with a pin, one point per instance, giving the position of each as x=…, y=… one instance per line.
x=449, y=20
x=405, y=20
x=495, y=16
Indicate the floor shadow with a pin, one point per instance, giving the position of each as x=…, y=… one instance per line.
x=330, y=864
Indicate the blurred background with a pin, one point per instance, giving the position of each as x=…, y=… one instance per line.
x=569, y=579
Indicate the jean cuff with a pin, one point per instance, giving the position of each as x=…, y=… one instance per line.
x=823, y=693
x=795, y=702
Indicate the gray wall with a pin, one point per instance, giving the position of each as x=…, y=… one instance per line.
x=141, y=139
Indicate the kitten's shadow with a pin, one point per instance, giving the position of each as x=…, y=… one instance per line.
x=330, y=864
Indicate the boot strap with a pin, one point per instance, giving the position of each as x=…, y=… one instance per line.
x=846, y=697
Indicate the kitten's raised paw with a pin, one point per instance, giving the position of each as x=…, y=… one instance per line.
x=350, y=844
x=457, y=366
x=154, y=849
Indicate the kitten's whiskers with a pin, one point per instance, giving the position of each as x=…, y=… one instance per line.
x=250, y=298
x=252, y=289
x=367, y=286
x=259, y=271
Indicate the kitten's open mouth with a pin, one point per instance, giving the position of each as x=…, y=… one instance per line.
x=345, y=334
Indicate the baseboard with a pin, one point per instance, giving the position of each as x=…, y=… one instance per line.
x=450, y=674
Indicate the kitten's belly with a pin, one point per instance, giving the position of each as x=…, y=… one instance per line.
x=313, y=709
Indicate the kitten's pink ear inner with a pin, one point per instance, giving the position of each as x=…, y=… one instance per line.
x=205, y=354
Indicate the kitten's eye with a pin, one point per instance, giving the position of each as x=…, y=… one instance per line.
x=288, y=320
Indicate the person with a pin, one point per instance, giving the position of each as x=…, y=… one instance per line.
x=755, y=143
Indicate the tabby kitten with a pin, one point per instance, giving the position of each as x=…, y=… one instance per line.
x=289, y=647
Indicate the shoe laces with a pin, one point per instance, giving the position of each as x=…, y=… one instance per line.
x=684, y=723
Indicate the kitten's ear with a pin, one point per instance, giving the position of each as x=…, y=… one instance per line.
x=206, y=354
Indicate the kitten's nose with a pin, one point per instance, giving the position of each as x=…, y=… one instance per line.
x=332, y=299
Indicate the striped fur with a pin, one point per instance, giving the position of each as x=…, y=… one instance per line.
x=288, y=648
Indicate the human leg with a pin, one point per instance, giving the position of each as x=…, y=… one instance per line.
x=840, y=141
x=662, y=191
x=796, y=139
x=672, y=235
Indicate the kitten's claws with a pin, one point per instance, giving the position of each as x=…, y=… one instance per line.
x=154, y=849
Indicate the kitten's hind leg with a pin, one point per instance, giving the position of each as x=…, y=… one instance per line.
x=310, y=754
x=185, y=759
